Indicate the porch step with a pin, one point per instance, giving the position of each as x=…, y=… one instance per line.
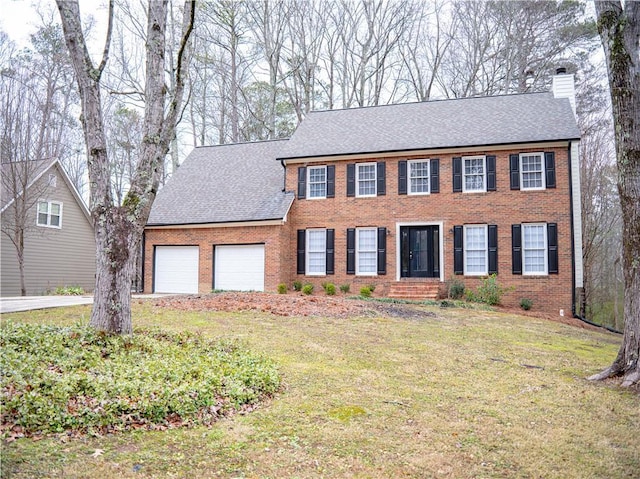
x=415, y=291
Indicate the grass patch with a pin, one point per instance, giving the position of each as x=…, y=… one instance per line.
x=57, y=379
x=456, y=394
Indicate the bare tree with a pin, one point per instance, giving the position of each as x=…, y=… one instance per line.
x=619, y=28
x=118, y=228
x=35, y=128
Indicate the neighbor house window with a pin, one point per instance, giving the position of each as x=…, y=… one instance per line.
x=418, y=177
x=316, y=252
x=317, y=181
x=49, y=214
x=366, y=251
x=532, y=171
x=475, y=250
x=474, y=174
x=53, y=180
x=366, y=179
x=534, y=248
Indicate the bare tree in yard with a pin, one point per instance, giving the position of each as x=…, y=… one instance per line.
x=35, y=129
x=118, y=228
x=619, y=28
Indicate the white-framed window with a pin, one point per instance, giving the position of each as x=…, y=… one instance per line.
x=317, y=182
x=418, y=177
x=476, y=251
x=474, y=174
x=366, y=251
x=534, y=249
x=532, y=171
x=316, y=248
x=49, y=214
x=366, y=179
x=52, y=180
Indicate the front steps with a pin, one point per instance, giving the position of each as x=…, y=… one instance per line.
x=417, y=291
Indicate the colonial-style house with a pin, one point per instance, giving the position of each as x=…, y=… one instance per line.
x=39, y=199
x=405, y=197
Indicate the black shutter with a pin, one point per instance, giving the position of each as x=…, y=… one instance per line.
x=457, y=175
x=351, y=179
x=382, y=250
x=514, y=170
x=382, y=181
x=516, y=249
x=552, y=243
x=351, y=251
x=492, y=231
x=550, y=169
x=402, y=177
x=435, y=175
x=458, y=254
x=301, y=251
x=302, y=182
x=330, y=251
x=331, y=181
x=491, y=173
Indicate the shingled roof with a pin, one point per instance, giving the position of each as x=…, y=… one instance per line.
x=224, y=184
x=469, y=122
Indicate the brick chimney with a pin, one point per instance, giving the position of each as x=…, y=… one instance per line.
x=564, y=87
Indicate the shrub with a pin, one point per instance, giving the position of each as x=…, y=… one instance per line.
x=307, y=288
x=282, y=288
x=329, y=288
x=526, y=303
x=345, y=288
x=80, y=379
x=372, y=287
x=70, y=290
x=297, y=286
x=456, y=289
x=365, y=292
x=489, y=291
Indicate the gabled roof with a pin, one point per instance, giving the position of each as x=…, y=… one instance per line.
x=33, y=171
x=468, y=122
x=225, y=184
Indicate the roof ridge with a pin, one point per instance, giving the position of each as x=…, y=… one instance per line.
x=254, y=142
x=439, y=100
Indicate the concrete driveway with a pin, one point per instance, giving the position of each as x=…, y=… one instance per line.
x=27, y=303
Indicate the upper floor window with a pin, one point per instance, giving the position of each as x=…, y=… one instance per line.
x=418, y=177
x=317, y=181
x=49, y=214
x=53, y=180
x=532, y=171
x=475, y=250
x=474, y=174
x=366, y=179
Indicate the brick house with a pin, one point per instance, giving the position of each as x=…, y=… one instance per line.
x=405, y=197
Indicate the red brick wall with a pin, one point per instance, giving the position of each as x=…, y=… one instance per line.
x=503, y=207
x=207, y=238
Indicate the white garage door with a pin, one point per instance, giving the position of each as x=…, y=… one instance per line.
x=176, y=269
x=239, y=268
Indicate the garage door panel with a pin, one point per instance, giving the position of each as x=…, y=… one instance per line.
x=239, y=268
x=176, y=269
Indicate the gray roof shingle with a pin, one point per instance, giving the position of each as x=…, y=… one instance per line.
x=479, y=121
x=226, y=183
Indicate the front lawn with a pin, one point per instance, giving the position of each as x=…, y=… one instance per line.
x=402, y=391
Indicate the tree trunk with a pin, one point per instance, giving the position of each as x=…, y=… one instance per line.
x=118, y=229
x=619, y=30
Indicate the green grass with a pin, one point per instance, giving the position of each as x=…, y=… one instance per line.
x=456, y=394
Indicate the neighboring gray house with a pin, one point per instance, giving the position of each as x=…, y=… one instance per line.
x=59, y=246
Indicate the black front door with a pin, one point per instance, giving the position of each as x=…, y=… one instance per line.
x=420, y=250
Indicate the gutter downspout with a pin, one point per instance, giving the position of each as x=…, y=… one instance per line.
x=573, y=258
x=284, y=167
